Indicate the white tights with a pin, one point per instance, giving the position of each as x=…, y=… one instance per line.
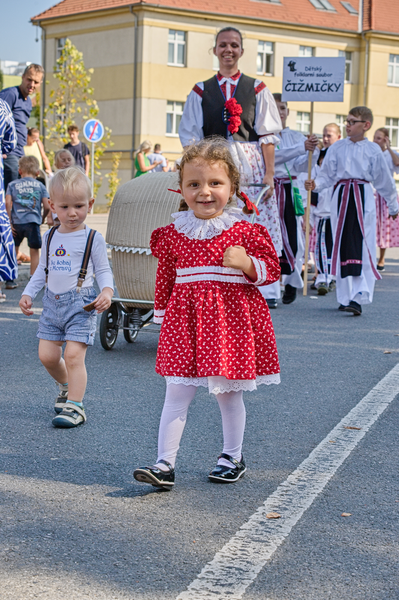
x=174, y=415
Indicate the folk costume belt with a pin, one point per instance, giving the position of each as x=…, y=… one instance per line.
x=279, y=183
x=348, y=183
x=224, y=274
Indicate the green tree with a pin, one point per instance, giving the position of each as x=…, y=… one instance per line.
x=1, y=80
x=71, y=101
x=113, y=179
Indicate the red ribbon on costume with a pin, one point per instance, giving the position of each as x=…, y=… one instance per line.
x=177, y=191
x=348, y=183
x=250, y=205
x=235, y=110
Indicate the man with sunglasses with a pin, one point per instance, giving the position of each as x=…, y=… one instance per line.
x=352, y=166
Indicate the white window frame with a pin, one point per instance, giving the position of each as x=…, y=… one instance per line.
x=177, y=111
x=323, y=5
x=348, y=64
x=264, y=54
x=393, y=129
x=304, y=49
x=59, y=46
x=341, y=122
x=303, y=120
x=393, y=64
x=176, y=43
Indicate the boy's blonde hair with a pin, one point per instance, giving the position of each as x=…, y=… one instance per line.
x=29, y=165
x=212, y=150
x=334, y=126
x=70, y=180
x=362, y=112
x=63, y=151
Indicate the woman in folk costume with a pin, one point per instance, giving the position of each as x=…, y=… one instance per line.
x=8, y=259
x=216, y=327
x=242, y=110
x=387, y=229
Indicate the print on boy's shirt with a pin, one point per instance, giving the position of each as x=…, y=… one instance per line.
x=58, y=262
x=26, y=195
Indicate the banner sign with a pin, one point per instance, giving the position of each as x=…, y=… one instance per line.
x=312, y=79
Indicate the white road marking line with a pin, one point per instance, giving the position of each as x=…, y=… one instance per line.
x=240, y=561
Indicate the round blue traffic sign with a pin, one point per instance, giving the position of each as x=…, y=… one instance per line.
x=93, y=130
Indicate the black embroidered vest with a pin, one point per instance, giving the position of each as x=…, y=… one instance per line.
x=213, y=105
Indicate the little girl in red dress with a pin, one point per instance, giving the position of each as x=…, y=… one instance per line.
x=216, y=327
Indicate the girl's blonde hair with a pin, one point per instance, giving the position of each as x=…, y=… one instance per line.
x=212, y=150
x=71, y=179
x=63, y=151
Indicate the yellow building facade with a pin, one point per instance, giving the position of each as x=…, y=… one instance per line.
x=147, y=59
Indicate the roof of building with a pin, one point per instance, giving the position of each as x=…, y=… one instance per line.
x=380, y=15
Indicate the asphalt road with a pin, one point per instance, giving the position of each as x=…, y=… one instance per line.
x=75, y=525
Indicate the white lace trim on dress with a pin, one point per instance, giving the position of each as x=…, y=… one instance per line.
x=217, y=384
x=129, y=249
x=205, y=229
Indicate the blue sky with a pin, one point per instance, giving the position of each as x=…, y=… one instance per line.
x=17, y=34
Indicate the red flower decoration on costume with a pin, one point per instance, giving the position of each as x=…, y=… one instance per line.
x=234, y=111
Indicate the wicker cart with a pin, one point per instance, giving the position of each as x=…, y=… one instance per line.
x=139, y=207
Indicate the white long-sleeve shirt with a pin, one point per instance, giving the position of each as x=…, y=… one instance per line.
x=267, y=119
x=291, y=151
x=65, y=260
x=358, y=160
x=389, y=161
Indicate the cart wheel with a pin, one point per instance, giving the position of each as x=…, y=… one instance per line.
x=131, y=326
x=109, y=327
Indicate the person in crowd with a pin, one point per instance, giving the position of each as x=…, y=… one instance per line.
x=62, y=160
x=8, y=259
x=27, y=207
x=216, y=326
x=387, y=229
x=34, y=147
x=18, y=99
x=141, y=161
x=353, y=166
x=242, y=110
x=78, y=149
x=70, y=301
x=157, y=156
x=292, y=155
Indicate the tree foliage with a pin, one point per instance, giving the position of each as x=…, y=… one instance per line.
x=113, y=179
x=72, y=102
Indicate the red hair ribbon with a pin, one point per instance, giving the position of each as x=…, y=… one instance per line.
x=250, y=205
x=177, y=191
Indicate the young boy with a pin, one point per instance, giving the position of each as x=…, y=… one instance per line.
x=352, y=165
x=325, y=281
x=291, y=158
x=25, y=198
x=63, y=318
x=78, y=149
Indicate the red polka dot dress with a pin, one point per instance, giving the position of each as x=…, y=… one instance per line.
x=216, y=327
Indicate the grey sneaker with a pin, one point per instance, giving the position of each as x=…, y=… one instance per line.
x=61, y=400
x=70, y=416
x=322, y=289
x=332, y=285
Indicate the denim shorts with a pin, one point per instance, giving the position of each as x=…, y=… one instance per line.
x=30, y=231
x=63, y=317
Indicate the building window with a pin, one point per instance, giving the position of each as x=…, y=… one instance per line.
x=264, y=61
x=306, y=51
x=303, y=121
x=177, y=48
x=174, y=111
x=393, y=69
x=348, y=65
x=349, y=8
x=59, y=46
x=322, y=5
x=341, y=121
x=393, y=127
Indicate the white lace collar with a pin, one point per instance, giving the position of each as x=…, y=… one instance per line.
x=205, y=229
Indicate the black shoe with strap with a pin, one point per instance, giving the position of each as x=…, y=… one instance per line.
x=155, y=476
x=224, y=474
x=354, y=308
